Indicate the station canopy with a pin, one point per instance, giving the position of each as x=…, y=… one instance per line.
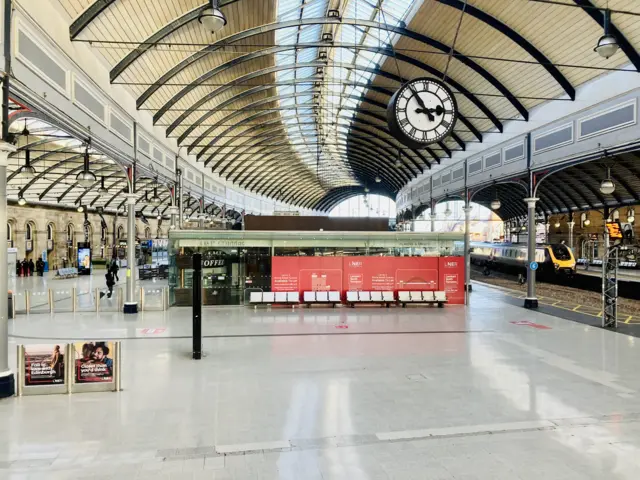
x=288, y=99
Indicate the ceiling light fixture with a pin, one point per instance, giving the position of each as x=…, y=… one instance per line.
x=80, y=209
x=21, y=201
x=102, y=190
x=607, y=186
x=447, y=212
x=607, y=44
x=495, y=203
x=378, y=179
x=27, y=171
x=155, y=200
x=631, y=216
x=557, y=224
x=86, y=178
x=212, y=18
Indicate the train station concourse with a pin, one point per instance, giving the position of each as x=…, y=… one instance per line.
x=320, y=239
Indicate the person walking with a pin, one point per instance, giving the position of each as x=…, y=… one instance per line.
x=25, y=268
x=114, y=269
x=110, y=282
x=32, y=267
x=40, y=267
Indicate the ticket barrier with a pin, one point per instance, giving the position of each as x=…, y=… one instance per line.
x=69, y=300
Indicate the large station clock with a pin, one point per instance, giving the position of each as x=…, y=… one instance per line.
x=422, y=112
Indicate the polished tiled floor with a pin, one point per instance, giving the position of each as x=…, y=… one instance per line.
x=340, y=393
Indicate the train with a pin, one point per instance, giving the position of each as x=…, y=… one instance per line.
x=553, y=259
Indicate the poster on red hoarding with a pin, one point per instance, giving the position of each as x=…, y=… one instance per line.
x=290, y=274
x=452, y=278
x=390, y=273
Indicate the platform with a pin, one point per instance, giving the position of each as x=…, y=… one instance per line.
x=629, y=275
x=412, y=393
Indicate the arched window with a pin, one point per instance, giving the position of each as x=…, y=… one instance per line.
x=29, y=232
x=50, y=231
x=120, y=231
x=70, y=230
x=159, y=233
x=147, y=233
x=9, y=232
x=103, y=233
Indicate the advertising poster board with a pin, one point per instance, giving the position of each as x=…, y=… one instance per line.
x=44, y=365
x=84, y=259
x=390, y=273
x=289, y=274
x=452, y=279
x=93, y=362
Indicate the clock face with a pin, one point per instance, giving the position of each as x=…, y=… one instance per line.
x=422, y=112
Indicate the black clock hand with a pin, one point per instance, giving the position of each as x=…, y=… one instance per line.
x=423, y=108
x=439, y=110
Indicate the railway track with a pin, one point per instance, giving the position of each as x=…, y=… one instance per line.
x=567, y=293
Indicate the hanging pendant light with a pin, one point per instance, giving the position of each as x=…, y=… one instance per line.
x=80, y=209
x=447, y=212
x=27, y=171
x=631, y=216
x=366, y=189
x=86, y=178
x=212, y=18
x=378, y=179
x=155, y=200
x=495, y=203
x=102, y=190
x=21, y=201
x=607, y=186
x=399, y=160
x=607, y=44
x=557, y=224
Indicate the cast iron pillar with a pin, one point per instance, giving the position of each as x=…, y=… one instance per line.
x=433, y=221
x=131, y=304
x=467, y=246
x=180, y=192
x=531, y=301
x=571, y=225
x=7, y=379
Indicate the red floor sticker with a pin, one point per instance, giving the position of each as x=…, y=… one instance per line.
x=152, y=331
x=342, y=326
x=527, y=323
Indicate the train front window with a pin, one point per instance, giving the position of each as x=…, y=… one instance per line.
x=561, y=252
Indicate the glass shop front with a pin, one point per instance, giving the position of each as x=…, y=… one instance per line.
x=236, y=263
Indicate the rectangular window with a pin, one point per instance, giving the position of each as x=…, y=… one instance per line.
x=513, y=153
x=88, y=101
x=553, y=139
x=30, y=51
x=612, y=119
x=120, y=127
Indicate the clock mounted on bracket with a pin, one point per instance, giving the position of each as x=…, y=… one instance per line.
x=422, y=112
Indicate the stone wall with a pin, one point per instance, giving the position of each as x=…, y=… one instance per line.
x=40, y=217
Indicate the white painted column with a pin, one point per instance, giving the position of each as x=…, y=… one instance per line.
x=7, y=378
x=131, y=303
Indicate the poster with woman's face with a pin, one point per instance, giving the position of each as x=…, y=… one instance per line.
x=93, y=362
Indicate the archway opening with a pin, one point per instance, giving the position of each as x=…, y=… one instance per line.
x=485, y=224
x=375, y=206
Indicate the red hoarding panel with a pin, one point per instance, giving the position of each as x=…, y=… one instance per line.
x=290, y=274
x=452, y=278
x=390, y=273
